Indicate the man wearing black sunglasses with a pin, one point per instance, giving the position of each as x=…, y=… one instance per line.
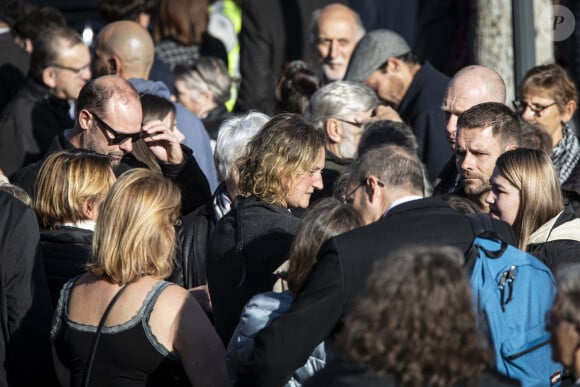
x=126, y=49
x=109, y=121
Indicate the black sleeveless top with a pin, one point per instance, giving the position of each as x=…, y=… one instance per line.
x=127, y=354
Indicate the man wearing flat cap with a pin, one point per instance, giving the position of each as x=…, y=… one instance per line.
x=383, y=60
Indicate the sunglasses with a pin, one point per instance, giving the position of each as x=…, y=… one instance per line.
x=114, y=137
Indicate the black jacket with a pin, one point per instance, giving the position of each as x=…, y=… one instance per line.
x=28, y=124
x=273, y=32
x=25, y=308
x=247, y=245
x=188, y=176
x=340, y=274
x=421, y=110
x=554, y=249
x=214, y=120
x=192, y=240
x=66, y=250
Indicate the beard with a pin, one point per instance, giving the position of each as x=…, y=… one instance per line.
x=476, y=186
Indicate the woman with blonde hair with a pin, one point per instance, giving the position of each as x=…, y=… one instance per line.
x=279, y=171
x=70, y=187
x=525, y=192
x=156, y=333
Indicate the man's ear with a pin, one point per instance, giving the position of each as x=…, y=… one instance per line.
x=115, y=65
x=85, y=119
x=49, y=77
x=393, y=65
x=374, y=186
x=333, y=130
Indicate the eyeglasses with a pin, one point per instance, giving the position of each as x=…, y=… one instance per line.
x=521, y=106
x=363, y=181
x=118, y=138
x=75, y=70
x=357, y=124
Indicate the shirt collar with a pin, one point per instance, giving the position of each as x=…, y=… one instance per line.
x=401, y=201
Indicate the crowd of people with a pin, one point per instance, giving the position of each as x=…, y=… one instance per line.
x=316, y=233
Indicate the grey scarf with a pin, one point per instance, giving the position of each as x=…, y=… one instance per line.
x=566, y=154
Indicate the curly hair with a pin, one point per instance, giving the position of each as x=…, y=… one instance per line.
x=415, y=320
x=284, y=148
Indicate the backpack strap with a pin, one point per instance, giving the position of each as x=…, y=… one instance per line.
x=484, y=227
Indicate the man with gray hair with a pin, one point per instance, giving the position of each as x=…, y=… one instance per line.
x=383, y=60
x=334, y=32
x=340, y=109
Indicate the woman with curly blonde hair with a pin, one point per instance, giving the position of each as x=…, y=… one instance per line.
x=280, y=170
x=413, y=325
x=156, y=333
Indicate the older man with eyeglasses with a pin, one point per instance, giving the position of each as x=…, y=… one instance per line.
x=59, y=68
x=340, y=109
x=108, y=121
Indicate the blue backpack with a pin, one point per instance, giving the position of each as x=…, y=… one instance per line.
x=513, y=291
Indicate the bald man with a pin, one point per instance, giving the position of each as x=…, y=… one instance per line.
x=334, y=32
x=471, y=86
x=125, y=48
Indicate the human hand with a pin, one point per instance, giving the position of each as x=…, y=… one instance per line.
x=163, y=142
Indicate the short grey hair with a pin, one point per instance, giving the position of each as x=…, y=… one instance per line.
x=208, y=74
x=360, y=29
x=233, y=136
x=396, y=166
x=339, y=99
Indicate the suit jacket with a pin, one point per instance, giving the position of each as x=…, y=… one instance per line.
x=25, y=307
x=343, y=267
x=421, y=110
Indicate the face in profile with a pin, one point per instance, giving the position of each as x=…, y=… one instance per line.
x=476, y=152
x=305, y=183
x=503, y=199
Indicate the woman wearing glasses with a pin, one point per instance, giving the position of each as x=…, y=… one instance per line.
x=549, y=98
